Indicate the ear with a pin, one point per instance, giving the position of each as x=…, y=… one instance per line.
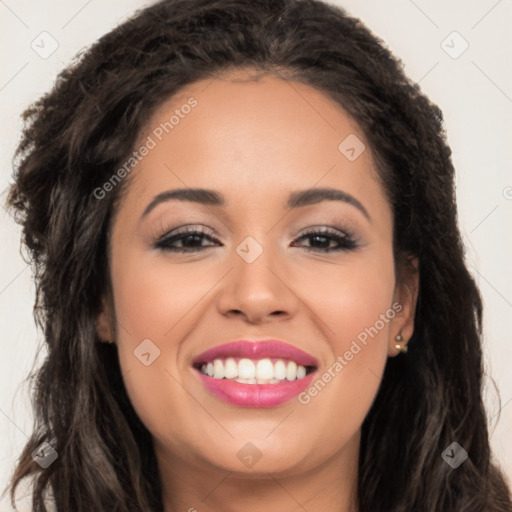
x=404, y=303
x=104, y=323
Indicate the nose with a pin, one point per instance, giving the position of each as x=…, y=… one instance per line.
x=259, y=291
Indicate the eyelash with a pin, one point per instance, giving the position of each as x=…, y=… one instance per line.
x=346, y=242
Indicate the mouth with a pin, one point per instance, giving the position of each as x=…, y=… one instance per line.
x=258, y=371
x=255, y=374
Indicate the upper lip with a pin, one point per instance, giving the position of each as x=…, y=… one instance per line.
x=256, y=350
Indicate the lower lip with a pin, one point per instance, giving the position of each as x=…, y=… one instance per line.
x=255, y=395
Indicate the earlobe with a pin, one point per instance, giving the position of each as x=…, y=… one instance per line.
x=104, y=324
x=406, y=294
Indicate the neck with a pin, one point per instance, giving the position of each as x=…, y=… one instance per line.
x=191, y=487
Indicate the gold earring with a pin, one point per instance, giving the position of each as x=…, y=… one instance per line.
x=400, y=348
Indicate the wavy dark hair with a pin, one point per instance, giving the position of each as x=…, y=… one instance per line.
x=80, y=132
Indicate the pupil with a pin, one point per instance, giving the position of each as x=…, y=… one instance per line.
x=189, y=238
x=325, y=240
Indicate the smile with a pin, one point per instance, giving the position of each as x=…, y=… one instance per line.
x=255, y=374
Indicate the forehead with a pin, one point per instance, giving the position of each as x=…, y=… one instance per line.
x=252, y=136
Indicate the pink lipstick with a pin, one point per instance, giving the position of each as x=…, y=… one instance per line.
x=255, y=374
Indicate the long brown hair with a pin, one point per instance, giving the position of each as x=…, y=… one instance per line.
x=80, y=132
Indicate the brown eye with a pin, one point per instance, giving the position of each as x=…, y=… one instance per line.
x=321, y=240
x=189, y=238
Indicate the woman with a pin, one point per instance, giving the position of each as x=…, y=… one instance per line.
x=249, y=273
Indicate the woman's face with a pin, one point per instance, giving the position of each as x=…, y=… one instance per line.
x=252, y=274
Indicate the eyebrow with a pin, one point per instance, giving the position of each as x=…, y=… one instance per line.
x=296, y=199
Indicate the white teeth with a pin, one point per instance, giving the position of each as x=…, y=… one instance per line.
x=230, y=368
x=247, y=371
x=218, y=369
x=280, y=370
x=301, y=372
x=291, y=371
x=264, y=369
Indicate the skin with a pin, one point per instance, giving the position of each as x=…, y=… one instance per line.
x=254, y=141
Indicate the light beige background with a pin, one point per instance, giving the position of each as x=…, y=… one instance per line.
x=474, y=91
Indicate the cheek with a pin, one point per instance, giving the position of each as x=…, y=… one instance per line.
x=350, y=297
x=153, y=295
x=355, y=306
x=155, y=300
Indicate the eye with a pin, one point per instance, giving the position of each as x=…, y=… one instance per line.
x=189, y=238
x=322, y=238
